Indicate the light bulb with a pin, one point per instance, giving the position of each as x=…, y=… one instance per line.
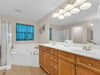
x=67, y=14
x=75, y=11
x=69, y=7
x=85, y=6
x=61, y=17
x=92, y=24
x=55, y=15
x=61, y=11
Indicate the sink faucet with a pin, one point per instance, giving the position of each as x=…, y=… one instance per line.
x=88, y=47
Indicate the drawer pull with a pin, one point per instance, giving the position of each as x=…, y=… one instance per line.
x=72, y=65
x=52, y=65
x=76, y=67
x=89, y=64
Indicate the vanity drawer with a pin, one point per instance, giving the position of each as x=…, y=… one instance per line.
x=67, y=56
x=89, y=63
x=44, y=48
x=54, y=52
x=53, y=64
x=54, y=58
x=47, y=50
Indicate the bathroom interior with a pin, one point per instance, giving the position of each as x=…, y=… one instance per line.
x=49, y=37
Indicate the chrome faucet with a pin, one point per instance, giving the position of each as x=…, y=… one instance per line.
x=88, y=47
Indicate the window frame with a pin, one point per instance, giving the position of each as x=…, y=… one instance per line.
x=26, y=33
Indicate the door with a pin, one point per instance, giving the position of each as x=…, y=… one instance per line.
x=65, y=68
x=84, y=71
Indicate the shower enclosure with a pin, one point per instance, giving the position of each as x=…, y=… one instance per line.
x=5, y=42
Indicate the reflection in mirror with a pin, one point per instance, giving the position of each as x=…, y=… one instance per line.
x=83, y=27
x=80, y=33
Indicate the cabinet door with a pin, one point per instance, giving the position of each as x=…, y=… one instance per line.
x=47, y=62
x=84, y=71
x=65, y=68
x=41, y=58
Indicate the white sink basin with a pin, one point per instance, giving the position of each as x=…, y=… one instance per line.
x=80, y=50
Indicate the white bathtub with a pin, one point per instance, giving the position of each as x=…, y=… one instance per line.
x=5, y=67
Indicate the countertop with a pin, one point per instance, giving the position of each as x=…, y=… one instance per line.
x=94, y=53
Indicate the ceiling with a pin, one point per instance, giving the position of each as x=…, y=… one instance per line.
x=82, y=16
x=33, y=10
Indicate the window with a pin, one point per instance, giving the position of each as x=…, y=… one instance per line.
x=50, y=33
x=24, y=32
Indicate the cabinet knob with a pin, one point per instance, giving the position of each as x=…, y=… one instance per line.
x=52, y=64
x=72, y=65
x=76, y=67
x=89, y=64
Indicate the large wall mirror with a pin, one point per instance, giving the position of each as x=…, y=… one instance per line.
x=87, y=31
x=82, y=28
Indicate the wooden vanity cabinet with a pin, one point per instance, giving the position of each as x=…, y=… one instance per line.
x=44, y=58
x=53, y=68
x=54, y=62
x=66, y=67
x=87, y=66
x=66, y=64
x=47, y=62
x=84, y=71
x=57, y=62
x=41, y=56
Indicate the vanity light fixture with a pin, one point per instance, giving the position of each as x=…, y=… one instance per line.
x=61, y=17
x=92, y=24
x=70, y=9
x=67, y=14
x=55, y=15
x=85, y=6
x=78, y=1
x=61, y=11
x=75, y=10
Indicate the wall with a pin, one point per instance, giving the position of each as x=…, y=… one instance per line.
x=44, y=37
x=22, y=46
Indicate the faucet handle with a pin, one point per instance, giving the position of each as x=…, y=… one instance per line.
x=84, y=48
